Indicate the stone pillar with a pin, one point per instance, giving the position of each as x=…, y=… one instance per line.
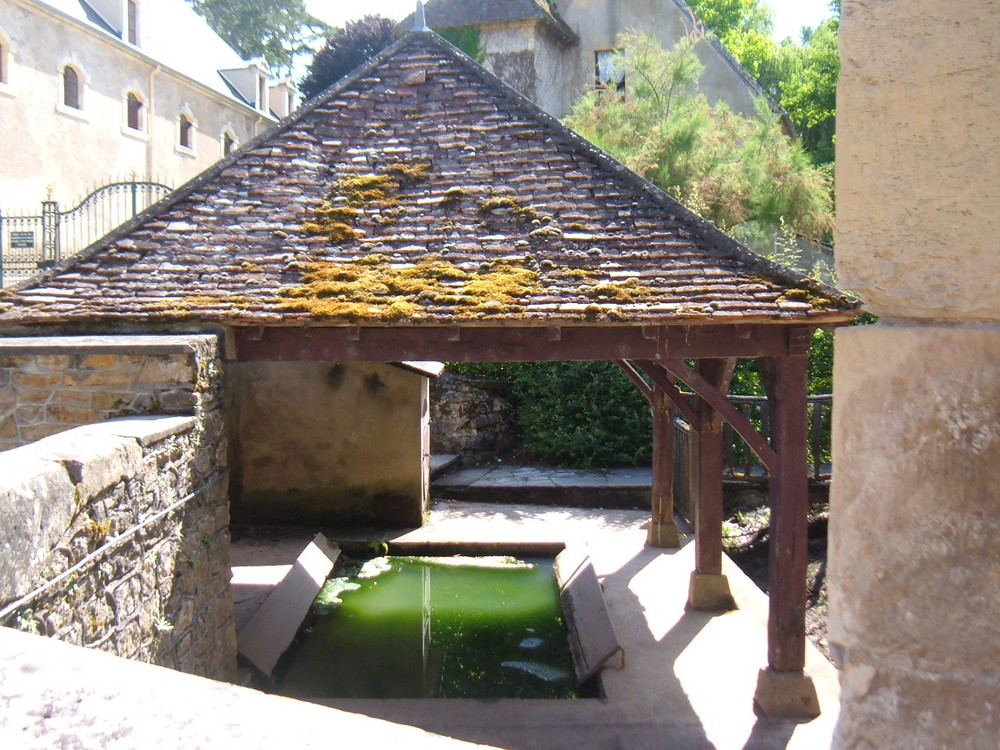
x=915, y=501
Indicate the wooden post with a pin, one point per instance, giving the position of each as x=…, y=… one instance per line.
x=662, y=528
x=783, y=688
x=709, y=589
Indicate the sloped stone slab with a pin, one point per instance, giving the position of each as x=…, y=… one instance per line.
x=269, y=632
x=592, y=637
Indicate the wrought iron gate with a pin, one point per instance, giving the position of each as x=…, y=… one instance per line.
x=30, y=242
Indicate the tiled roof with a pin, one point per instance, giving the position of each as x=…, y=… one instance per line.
x=420, y=190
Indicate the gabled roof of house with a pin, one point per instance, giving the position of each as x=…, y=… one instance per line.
x=445, y=13
x=420, y=190
x=172, y=34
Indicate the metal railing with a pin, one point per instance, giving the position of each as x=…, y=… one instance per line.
x=31, y=241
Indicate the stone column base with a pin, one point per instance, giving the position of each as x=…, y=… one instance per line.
x=663, y=535
x=710, y=592
x=788, y=695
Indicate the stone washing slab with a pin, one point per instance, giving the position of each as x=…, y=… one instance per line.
x=110, y=344
x=592, y=637
x=269, y=632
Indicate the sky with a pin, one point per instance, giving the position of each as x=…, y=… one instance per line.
x=789, y=15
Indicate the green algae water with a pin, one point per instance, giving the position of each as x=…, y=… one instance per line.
x=426, y=627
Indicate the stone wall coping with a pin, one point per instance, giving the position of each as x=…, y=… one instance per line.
x=125, y=343
x=96, y=699
x=146, y=430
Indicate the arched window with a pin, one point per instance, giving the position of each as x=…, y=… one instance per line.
x=71, y=87
x=3, y=60
x=185, y=132
x=135, y=114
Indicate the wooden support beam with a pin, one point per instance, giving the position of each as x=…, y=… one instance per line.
x=786, y=382
x=504, y=343
x=662, y=527
x=662, y=379
x=637, y=379
x=783, y=688
x=709, y=588
x=717, y=398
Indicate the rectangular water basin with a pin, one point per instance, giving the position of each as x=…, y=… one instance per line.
x=428, y=627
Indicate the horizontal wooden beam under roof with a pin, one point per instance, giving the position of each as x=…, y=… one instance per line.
x=503, y=344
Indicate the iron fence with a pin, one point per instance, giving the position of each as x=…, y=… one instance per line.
x=34, y=240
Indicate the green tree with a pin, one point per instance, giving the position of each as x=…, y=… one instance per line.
x=800, y=76
x=740, y=172
x=277, y=30
x=346, y=49
x=809, y=88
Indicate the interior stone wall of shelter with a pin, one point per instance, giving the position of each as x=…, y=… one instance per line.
x=328, y=442
x=914, y=564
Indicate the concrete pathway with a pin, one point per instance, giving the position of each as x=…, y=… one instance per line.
x=688, y=677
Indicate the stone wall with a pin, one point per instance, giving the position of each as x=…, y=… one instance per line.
x=156, y=585
x=470, y=416
x=54, y=383
x=160, y=594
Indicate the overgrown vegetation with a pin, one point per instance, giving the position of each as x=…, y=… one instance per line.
x=741, y=172
x=467, y=39
x=801, y=75
x=580, y=414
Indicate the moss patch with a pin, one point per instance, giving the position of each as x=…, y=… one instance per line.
x=453, y=196
x=630, y=290
x=338, y=215
x=373, y=289
x=504, y=204
x=805, y=295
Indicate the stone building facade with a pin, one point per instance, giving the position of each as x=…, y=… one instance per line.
x=914, y=563
x=552, y=52
x=111, y=89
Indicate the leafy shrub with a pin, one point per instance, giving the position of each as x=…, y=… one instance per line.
x=580, y=414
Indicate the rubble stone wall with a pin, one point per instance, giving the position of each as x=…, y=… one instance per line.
x=127, y=520
x=470, y=416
